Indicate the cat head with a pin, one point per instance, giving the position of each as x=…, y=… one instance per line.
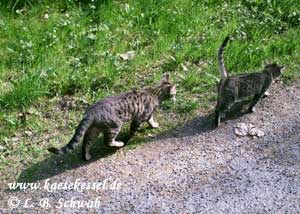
x=275, y=69
x=166, y=90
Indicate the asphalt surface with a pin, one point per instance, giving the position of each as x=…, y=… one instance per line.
x=191, y=169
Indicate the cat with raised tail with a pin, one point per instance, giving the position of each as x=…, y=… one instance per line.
x=247, y=87
x=108, y=115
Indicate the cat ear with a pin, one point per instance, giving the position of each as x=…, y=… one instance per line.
x=166, y=77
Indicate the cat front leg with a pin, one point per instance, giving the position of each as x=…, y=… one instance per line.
x=255, y=100
x=217, y=119
x=152, y=123
x=134, y=126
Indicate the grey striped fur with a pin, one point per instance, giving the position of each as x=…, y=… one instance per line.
x=242, y=88
x=108, y=115
x=222, y=67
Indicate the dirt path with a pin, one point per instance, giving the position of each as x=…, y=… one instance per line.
x=194, y=169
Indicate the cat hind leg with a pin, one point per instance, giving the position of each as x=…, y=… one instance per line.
x=110, y=138
x=90, y=137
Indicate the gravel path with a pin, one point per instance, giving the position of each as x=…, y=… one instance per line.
x=194, y=169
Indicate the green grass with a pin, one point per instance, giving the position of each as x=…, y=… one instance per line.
x=50, y=49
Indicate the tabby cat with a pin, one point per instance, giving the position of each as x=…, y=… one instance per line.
x=249, y=87
x=108, y=115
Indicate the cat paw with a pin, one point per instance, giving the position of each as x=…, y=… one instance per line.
x=266, y=94
x=154, y=125
x=252, y=110
x=116, y=144
x=87, y=157
x=216, y=125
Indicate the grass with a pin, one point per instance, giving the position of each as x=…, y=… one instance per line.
x=54, y=49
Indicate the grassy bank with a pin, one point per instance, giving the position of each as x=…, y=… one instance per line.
x=58, y=56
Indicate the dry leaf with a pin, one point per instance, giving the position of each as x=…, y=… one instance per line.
x=243, y=129
x=28, y=133
x=128, y=55
x=14, y=139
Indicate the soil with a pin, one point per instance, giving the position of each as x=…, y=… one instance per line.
x=191, y=169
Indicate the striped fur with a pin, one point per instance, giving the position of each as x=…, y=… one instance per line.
x=222, y=67
x=243, y=88
x=80, y=131
x=108, y=115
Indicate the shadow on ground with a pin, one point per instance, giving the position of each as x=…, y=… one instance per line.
x=192, y=127
x=55, y=165
x=200, y=124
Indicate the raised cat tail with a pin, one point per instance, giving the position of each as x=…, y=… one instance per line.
x=80, y=131
x=221, y=59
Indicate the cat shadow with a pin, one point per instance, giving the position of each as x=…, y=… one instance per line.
x=55, y=165
x=199, y=125
x=195, y=126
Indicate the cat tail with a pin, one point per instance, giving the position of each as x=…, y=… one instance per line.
x=221, y=59
x=80, y=131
